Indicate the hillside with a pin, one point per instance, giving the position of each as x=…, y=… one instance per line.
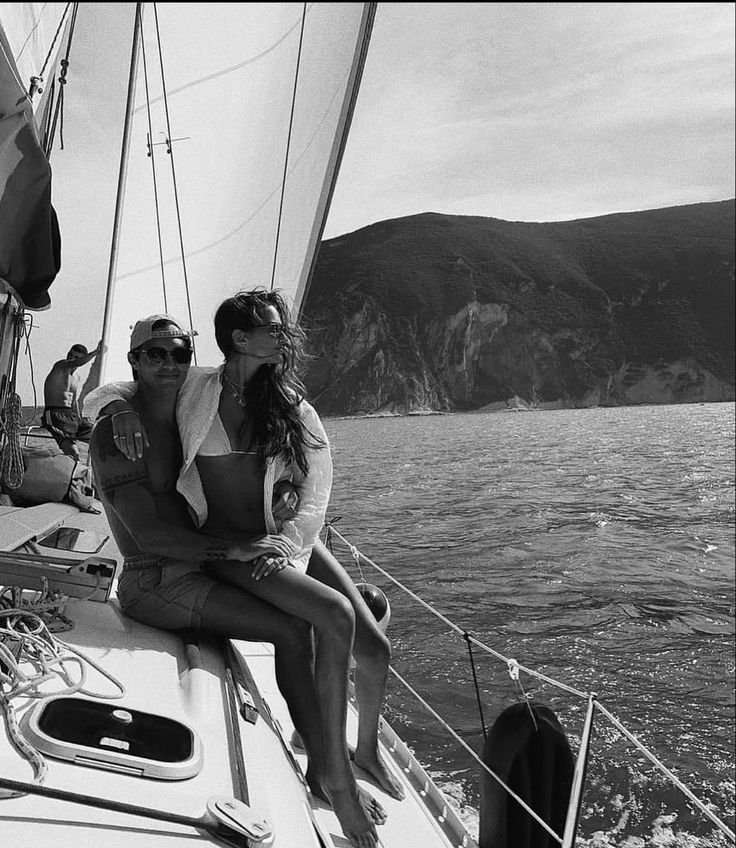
x=442, y=312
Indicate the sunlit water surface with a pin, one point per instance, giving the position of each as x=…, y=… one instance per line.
x=596, y=546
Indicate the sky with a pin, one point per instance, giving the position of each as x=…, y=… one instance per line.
x=540, y=111
x=518, y=111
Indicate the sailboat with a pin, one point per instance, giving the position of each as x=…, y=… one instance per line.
x=195, y=147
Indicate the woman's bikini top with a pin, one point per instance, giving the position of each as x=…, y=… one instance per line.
x=217, y=443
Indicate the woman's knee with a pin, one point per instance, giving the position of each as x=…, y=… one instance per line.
x=338, y=617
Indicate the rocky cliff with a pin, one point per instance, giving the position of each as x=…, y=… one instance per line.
x=447, y=313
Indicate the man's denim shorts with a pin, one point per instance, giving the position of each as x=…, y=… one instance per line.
x=164, y=592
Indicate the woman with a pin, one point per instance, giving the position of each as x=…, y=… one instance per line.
x=246, y=429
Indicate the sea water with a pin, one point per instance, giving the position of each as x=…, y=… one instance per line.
x=595, y=546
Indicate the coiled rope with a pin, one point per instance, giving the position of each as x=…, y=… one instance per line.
x=12, y=462
x=31, y=656
x=11, y=469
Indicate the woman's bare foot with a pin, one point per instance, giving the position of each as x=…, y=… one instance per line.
x=372, y=806
x=354, y=816
x=375, y=766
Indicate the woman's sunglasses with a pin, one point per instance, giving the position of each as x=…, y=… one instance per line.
x=159, y=355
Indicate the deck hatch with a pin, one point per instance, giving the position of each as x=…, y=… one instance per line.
x=111, y=736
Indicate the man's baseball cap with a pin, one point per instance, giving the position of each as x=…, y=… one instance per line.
x=146, y=330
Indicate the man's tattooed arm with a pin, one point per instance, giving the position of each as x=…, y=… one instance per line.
x=159, y=522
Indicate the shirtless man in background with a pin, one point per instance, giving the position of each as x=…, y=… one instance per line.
x=62, y=415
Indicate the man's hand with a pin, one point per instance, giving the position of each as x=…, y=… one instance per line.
x=285, y=500
x=272, y=545
x=128, y=432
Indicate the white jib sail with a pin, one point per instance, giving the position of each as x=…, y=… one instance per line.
x=257, y=97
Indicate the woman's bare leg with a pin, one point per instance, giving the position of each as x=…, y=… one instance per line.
x=372, y=652
x=333, y=619
x=236, y=614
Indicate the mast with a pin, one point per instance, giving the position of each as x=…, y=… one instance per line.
x=119, y=200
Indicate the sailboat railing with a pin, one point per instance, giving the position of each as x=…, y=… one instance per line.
x=578, y=779
x=514, y=668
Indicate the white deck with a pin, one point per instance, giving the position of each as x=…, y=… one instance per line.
x=161, y=676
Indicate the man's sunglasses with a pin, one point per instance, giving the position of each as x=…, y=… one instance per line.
x=159, y=355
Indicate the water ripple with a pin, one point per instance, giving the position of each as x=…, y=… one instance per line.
x=594, y=545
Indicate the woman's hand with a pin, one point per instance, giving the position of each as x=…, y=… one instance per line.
x=128, y=433
x=285, y=500
x=267, y=565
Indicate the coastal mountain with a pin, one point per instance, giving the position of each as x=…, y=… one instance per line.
x=448, y=313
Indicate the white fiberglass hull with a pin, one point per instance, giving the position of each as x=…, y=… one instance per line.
x=164, y=675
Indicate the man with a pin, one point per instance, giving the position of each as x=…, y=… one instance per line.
x=62, y=415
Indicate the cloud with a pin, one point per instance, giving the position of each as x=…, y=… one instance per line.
x=601, y=107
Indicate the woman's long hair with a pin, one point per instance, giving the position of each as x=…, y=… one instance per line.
x=275, y=391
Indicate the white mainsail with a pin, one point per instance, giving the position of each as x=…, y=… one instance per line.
x=257, y=99
x=34, y=32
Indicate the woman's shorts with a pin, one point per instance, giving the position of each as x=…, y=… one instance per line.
x=163, y=592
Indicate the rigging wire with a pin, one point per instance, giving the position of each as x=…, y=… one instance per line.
x=37, y=79
x=56, y=36
x=153, y=166
x=33, y=31
x=59, y=106
x=170, y=150
x=288, y=144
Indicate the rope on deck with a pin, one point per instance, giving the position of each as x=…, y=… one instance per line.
x=31, y=656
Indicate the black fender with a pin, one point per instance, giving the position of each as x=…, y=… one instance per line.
x=538, y=765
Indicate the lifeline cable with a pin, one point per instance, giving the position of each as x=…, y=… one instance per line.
x=59, y=106
x=514, y=668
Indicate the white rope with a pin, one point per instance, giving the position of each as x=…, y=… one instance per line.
x=39, y=658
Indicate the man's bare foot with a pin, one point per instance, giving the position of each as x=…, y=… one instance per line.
x=297, y=742
x=378, y=770
x=315, y=786
x=355, y=819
